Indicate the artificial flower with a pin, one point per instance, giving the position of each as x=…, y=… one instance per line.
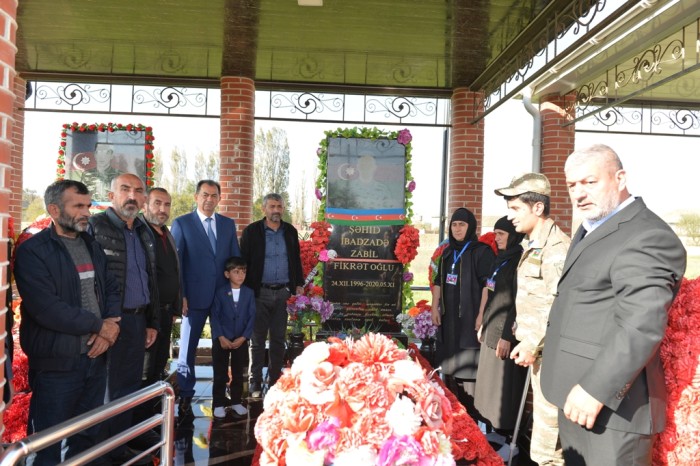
x=319, y=194
x=411, y=186
x=303, y=310
x=404, y=137
x=407, y=244
x=418, y=321
x=355, y=402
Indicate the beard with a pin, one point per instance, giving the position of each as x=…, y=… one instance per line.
x=128, y=210
x=72, y=224
x=155, y=219
x=602, y=209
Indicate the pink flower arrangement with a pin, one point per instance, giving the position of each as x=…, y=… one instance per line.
x=355, y=402
x=304, y=309
x=418, y=321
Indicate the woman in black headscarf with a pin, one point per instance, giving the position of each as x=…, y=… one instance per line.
x=458, y=299
x=500, y=382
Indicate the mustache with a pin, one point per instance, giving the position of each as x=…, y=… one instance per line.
x=131, y=202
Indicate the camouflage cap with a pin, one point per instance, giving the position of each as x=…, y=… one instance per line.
x=526, y=183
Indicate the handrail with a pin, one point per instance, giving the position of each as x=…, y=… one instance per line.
x=40, y=440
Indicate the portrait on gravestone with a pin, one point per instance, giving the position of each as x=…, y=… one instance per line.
x=366, y=174
x=97, y=157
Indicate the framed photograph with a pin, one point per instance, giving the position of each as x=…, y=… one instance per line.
x=96, y=154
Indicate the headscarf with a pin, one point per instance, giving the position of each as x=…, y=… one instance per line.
x=514, y=238
x=463, y=215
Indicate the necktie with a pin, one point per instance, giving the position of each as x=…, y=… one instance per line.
x=210, y=234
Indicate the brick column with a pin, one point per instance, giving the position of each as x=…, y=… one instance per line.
x=8, y=29
x=466, y=170
x=237, y=148
x=557, y=143
x=16, y=157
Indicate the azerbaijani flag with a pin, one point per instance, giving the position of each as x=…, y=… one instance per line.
x=365, y=216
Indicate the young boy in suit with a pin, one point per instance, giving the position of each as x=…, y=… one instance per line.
x=232, y=316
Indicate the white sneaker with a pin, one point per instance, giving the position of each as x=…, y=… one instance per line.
x=239, y=409
x=219, y=412
x=504, y=451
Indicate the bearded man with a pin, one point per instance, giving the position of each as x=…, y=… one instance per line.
x=601, y=363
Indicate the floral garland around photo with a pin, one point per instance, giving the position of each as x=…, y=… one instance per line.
x=109, y=128
x=408, y=240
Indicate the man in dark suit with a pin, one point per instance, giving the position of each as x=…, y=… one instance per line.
x=204, y=241
x=601, y=361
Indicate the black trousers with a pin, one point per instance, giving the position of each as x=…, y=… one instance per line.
x=159, y=352
x=222, y=360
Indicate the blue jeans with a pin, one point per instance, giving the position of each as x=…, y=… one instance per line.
x=270, y=315
x=190, y=331
x=59, y=396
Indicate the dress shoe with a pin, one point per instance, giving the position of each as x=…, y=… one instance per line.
x=255, y=390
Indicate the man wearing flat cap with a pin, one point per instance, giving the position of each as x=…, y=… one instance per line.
x=539, y=270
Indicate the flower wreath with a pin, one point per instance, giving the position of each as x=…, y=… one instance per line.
x=110, y=128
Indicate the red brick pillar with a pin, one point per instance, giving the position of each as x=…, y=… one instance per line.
x=16, y=178
x=8, y=29
x=237, y=148
x=466, y=170
x=557, y=143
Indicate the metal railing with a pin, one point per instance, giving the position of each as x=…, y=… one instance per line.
x=166, y=419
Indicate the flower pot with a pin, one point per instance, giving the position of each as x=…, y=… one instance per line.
x=295, y=346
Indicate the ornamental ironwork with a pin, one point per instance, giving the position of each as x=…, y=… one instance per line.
x=664, y=67
x=561, y=35
x=644, y=119
x=270, y=105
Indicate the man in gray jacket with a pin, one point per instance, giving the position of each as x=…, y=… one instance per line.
x=601, y=362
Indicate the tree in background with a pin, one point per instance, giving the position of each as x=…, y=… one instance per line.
x=271, y=168
x=690, y=226
x=32, y=205
x=206, y=167
x=180, y=186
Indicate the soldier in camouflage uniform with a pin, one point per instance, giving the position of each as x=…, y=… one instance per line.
x=538, y=273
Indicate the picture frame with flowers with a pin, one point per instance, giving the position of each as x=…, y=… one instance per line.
x=96, y=153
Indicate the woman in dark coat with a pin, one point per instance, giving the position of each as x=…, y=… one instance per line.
x=500, y=381
x=458, y=299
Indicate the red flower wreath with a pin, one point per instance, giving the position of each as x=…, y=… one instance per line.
x=680, y=354
x=317, y=242
x=407, y=244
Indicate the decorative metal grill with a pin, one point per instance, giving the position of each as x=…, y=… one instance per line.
x=270, y=105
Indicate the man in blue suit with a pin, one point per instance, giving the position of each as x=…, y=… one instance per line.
x=204, y=241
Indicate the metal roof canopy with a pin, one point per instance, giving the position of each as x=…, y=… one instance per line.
x=421, y=48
